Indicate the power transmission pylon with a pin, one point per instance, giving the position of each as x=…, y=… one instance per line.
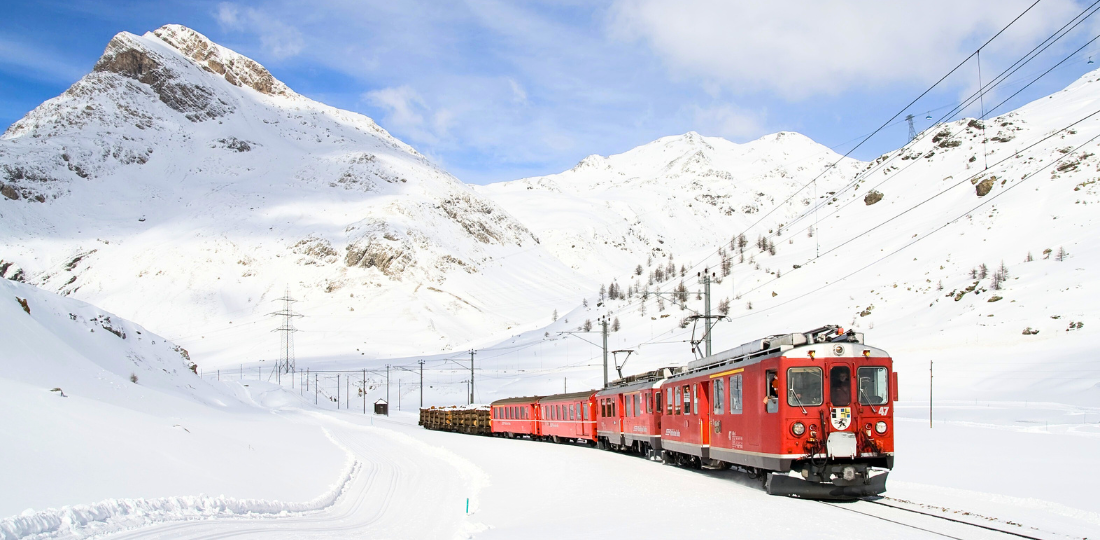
x=912, y=130
x=286, y=349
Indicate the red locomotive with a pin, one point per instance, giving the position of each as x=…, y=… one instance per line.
x=810, y=412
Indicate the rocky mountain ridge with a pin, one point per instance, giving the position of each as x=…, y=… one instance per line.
x=182, y=170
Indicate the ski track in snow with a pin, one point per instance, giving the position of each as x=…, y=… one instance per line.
x=390, y=479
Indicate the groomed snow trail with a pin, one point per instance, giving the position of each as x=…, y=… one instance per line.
x=403, y=488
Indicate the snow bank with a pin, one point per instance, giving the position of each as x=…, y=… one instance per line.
x=119, y=514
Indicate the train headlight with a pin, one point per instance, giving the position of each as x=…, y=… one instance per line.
x=880, y=427
x=798, y=429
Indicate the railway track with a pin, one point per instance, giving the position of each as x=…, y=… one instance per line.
x=908, y=514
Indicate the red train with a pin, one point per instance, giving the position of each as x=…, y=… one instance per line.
x=810, y=412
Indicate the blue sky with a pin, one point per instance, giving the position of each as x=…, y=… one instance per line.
x=497, y=90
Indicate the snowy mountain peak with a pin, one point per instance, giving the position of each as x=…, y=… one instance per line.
x=238, y=69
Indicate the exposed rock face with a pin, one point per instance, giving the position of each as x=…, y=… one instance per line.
x=236, y=69
x=378, y=253
x=872, y=198
x=127, y=57
x=983, y=188
x=9, y=192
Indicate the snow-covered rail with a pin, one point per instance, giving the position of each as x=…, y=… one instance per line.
x=898, y=512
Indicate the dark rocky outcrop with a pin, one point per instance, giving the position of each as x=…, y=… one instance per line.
x=126, y=56
x=237, y=70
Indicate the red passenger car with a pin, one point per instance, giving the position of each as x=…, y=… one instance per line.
x=568, y=417
x=629, y=413
x=516, y=416
x=817, y=403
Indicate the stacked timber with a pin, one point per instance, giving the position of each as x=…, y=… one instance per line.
x=473, y=419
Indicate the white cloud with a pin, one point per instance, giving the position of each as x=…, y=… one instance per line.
x=518, y=94
x=408, y=114
x=728, y=121
x=801, y=48
x=277, y=38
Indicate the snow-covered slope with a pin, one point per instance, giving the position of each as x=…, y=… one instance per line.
x=182, y=185
x=897, y=250
x=677, y=195
x=97, y=407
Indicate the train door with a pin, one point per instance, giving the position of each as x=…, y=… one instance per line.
x=658, y=409
x=768, y=384
x=840, y=397
x=702, y=408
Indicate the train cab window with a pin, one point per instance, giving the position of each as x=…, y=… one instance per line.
x=771, y=389
x=677, y=400
x=717, y=392
x=687, y=399
x=873, y=386
x=840, y=386
x=804, y=386
x=735, y=394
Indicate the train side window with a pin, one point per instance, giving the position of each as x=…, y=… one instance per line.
x=523, y=413
x=687, y=399
x=615, y=408
x=649, y=403
x=657, y=401
x=840, y=386
x=735, y=394
x=695, y=398
x=628, y=410
x=669, y=399
x=585, y=410
x=717, y=393
x=495, y=412
x=771, y=391
x=677, y=400
x=873, y=386
x=572, y=411
x=638, y=405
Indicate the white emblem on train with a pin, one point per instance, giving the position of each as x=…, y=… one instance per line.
x=841, y=417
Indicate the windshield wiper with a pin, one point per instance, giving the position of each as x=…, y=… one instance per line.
x=799, y=401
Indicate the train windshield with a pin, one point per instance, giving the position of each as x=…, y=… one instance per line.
x=804, y=386
x=873, y=388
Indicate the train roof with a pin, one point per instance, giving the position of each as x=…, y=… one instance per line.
x=757, y=350
x=649, y=379
x=568, y=397
x=507, y=401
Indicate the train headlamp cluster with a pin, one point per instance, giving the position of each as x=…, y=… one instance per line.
x=798, y=429
x=880, y=427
